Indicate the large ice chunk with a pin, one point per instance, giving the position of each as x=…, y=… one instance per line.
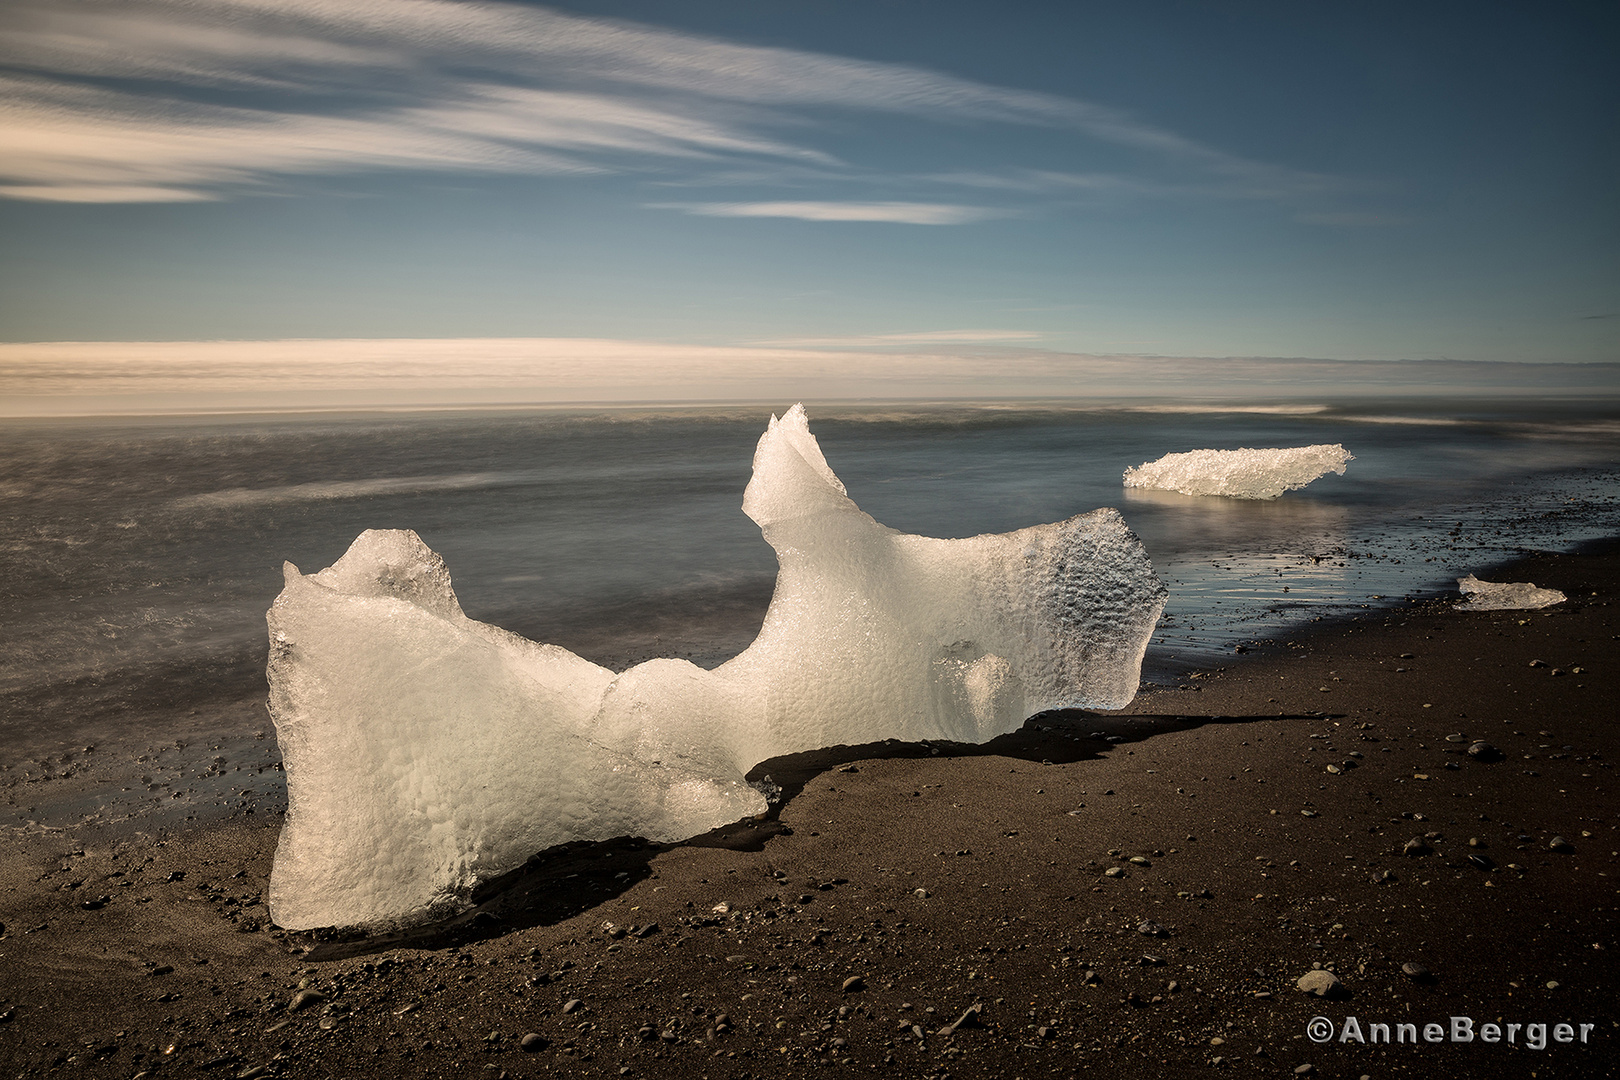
x=1240, y=474
x=1504, y=595
x=426, y=751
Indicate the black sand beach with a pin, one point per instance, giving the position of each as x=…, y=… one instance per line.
x=1139, y=892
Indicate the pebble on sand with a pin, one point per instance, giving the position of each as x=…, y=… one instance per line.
x=1321, y=983
x=969, y=1018
x=305, y=998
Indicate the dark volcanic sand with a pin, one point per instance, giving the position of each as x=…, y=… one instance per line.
x=946, y=877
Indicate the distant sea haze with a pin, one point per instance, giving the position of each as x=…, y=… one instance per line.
x=142, y=552
x=102, y=378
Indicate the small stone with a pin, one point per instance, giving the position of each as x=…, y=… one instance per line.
x=1139, y=860
x=921, y=894
x=532, y=1043
x=95, y=904
x=1416, y=972
x=1483, y=862
x=1416, y=847
x=1321, y=983
x=1484, y=751
x=1335, y=770
x=1552, y=984
x=304, y=999
x=853, y=984
x=969, y=1018
x=1113, y=871
x=1560, y=844
x=572, y=1005
x=1151, y=929
x=1304, y=1070
x=1458, y=737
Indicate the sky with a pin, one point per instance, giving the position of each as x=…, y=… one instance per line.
x=843, y=187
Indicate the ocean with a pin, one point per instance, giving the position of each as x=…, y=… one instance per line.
x=140, y=554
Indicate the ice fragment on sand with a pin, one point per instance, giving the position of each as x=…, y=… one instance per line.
x=1240, y=474
x=1504, y=595
x=426, y=752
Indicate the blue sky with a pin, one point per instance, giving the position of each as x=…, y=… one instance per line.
x=1350, y=181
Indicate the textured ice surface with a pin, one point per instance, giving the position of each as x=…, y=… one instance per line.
x=1504, y=595
x=1240, y=474
x=426, y=751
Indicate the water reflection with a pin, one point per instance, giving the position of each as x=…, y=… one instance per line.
x=1173, y=524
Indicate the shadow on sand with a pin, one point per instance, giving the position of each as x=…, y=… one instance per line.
x=570, y=879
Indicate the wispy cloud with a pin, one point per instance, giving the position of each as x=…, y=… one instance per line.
x=121, y=100
x=899, y=213
x=926, y=337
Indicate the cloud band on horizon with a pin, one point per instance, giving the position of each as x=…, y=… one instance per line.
x=78, y=378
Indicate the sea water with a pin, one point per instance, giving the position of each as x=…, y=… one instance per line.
x=140, y=555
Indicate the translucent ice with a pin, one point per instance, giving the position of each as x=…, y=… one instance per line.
x=1240, y=474
x=1504, y=595
x=426, y=751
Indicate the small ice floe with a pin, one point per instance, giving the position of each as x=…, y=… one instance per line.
x=1504, y=595
x=1240, y=474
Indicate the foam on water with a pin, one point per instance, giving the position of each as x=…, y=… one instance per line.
x=1504, y=595
x=1240, y=474
x=426, y=751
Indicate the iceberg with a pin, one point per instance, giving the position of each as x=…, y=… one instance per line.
x=1504, y=595
x=426, y=752
x=1240, y=474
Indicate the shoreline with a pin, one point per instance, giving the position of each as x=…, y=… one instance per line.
x=1119, y=901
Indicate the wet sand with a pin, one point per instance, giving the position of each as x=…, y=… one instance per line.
x=1136, y=891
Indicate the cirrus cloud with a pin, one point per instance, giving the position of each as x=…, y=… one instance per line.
x=154, y=100
x=899, y=213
